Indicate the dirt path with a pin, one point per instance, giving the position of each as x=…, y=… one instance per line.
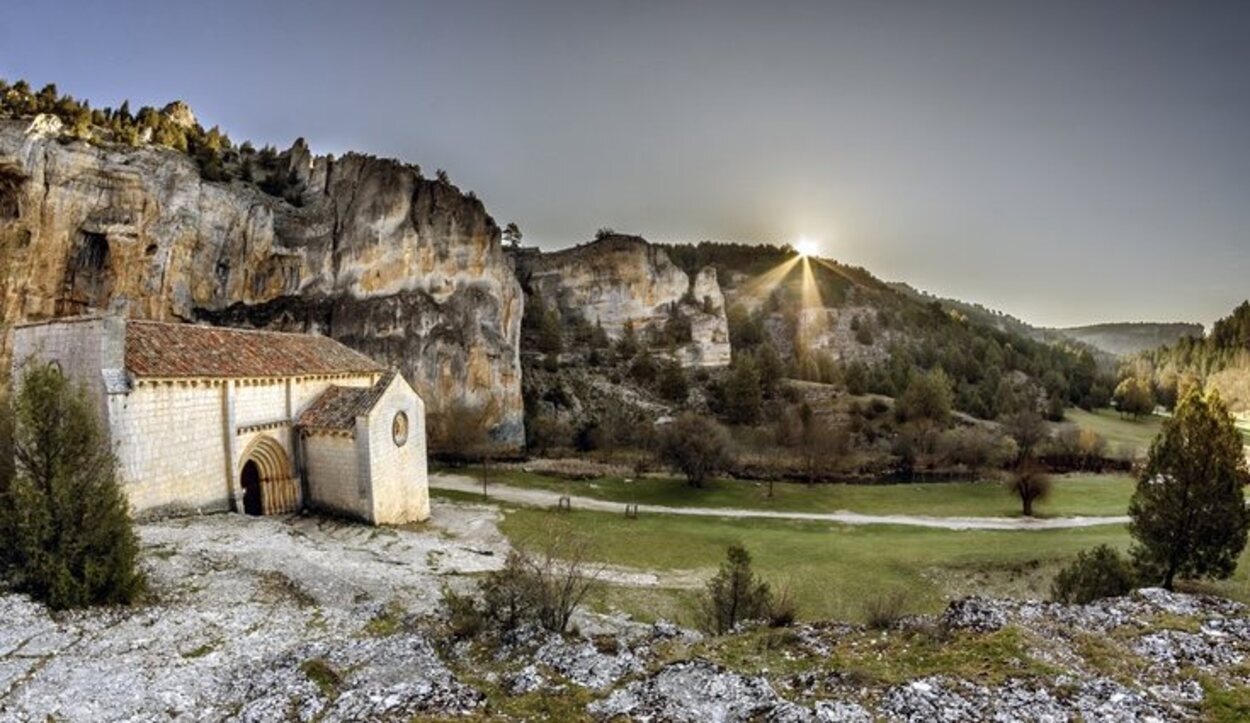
x=547, y=498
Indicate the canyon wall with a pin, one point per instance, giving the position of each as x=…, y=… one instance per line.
x=623, y=280
x=406, y=269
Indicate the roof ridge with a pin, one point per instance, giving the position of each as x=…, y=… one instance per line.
x=241, y=329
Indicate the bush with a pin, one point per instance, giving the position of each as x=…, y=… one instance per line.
x=464, y=618
x=1094, y=574
x=547, y=432
x=673, y=384
x=69, y=538
x=928, y=396
x=735, y=594
x=510, y=595
x=543, y=589
x=695, y=445
x=883, y=610
x=784, y=609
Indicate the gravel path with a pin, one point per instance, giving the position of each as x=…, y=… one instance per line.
x=547, y=498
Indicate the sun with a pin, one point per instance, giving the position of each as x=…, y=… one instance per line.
x=806, y=247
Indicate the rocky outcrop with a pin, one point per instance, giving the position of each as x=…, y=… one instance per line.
x=619, y=281
x=404, y=268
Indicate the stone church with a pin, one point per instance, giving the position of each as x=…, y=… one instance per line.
x=212, y=419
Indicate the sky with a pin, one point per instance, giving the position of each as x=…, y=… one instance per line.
x=1067, y=162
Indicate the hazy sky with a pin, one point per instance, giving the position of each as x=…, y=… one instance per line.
x=1068, y=162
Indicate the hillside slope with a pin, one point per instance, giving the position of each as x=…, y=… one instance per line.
x=1110, y=340
x=1220, y=360
x=619, y=331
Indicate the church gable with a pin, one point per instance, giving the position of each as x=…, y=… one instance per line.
x=338, y=407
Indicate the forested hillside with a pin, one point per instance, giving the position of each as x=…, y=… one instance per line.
x=822, y=355
x=1221, y=360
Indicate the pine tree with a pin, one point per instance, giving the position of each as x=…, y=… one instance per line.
x=1189, y=511
x=673, y=384
x=744, y=397
x=72, y=541
x=735, y=593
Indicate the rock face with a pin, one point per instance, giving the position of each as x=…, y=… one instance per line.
x=406, y=269
x=620, y=281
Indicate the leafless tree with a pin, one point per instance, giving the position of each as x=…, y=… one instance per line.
x=1030, y=483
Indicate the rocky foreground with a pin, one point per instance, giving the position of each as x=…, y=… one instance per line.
x=306, y=619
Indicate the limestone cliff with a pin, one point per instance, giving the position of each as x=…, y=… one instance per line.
x=622, y=280
x=404, y=268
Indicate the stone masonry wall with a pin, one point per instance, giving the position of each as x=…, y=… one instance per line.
x=170, y=446
x=334, y=475
x=398, y=475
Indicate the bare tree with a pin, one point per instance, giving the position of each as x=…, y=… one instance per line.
x=462, y=436
x=545, y=586
x=1030, y=483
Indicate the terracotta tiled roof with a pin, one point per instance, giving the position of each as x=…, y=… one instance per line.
x=338, y=407
x=157, y=349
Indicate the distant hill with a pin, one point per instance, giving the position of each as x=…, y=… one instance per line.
x=979, y=314
x=1113, y=339
x=1126, y=339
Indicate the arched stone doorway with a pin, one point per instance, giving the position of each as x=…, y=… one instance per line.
x=267, y=478
x=251, y=489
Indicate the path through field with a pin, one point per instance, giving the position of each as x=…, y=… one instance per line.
x=545, y=498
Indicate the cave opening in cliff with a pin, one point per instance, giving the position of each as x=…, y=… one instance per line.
x=9, y=209
x=86, y=279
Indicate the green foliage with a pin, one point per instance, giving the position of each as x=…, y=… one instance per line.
x=71, y=542
x=627, y=346
x=1188, y=513
x=323, y=675
x=217, y=158
x=1133, y=398
x=695, y=445
x=1094, y=574
x=673, y=383
x=746, y=329
x=735, y=594
x=512, y=235
x=541, y=589
x=883, y=610
x=1221, y=361
x=510, y=595
x=677, y=327
x=1027, y=429
x=546, y=432
x=465, y=618
x=644, y=368
x=744, y=395
x=927, y=397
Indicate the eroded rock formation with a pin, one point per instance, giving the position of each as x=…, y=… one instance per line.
x=620, y=281
x=404, y=268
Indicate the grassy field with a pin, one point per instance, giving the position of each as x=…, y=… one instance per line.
x=1130, y=433
x=1072, y=495
x=1118, y=431
x=833, y=569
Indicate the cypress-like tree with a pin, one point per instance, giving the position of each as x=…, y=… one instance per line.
x=1189, y=510
x=67, y=524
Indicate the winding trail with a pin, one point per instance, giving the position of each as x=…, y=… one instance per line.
x=546, y=498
